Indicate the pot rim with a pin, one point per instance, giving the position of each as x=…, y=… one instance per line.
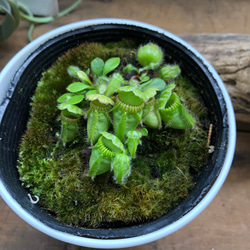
x=5, y=79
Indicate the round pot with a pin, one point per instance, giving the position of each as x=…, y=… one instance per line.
x=18, y=82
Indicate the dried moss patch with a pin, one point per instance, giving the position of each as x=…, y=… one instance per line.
x=162, y=172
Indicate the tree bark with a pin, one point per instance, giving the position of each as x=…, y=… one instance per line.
x=230, y=56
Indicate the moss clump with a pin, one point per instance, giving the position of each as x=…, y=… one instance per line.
x=162, y=172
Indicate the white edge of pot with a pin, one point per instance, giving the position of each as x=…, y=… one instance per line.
x=5, y=79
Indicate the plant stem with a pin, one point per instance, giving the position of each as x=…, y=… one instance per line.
x=30, y=31
x=27, y=15
x=69, y=9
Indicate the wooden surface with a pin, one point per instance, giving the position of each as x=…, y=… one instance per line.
x=225, y=223
x=229, y=54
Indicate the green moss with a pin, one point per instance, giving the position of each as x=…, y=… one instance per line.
x=162, y=172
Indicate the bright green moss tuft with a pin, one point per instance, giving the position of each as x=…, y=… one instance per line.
x=162, y=172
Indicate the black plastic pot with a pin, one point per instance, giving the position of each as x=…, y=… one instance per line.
x=14, y=113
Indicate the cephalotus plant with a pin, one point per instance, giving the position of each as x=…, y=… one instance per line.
x=121, y=108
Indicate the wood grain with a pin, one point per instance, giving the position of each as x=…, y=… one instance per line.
x=230, y=56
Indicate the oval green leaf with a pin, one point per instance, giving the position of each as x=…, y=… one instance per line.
x=158, y=83
x=110, y=65
x=97, y=66
x=75, y=99
x=77, y=87
x=64, y=97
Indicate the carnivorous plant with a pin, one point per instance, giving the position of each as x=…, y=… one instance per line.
x=123, y=103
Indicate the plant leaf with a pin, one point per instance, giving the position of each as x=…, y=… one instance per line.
x=97, y=123
x=131, y=95
x=101, y=98
x=115, y=83
x=133, y=141
x=69, y=132
x=129, y=67
x=75, y=99
x=74, y=109
x=120, y=124
x=72, y=70
x=97, y=66
x=144, y=131
x=11, y=20
x=110, y=65
x=121, y=167
x=112, y=142
x=77, y=87
x=64, y=97
x=157, y=83
x=175, y=115
x=170, y=72
x=91, y=92
x=149, y=93
x=84, y=77
x=97, y=163
x=71, y=108
x=63, y=106
x=144, y=77
x=165, y=95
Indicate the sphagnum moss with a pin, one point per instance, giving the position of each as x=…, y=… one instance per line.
x=162, y=169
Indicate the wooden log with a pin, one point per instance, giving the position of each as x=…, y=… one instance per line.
x=230, y=56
